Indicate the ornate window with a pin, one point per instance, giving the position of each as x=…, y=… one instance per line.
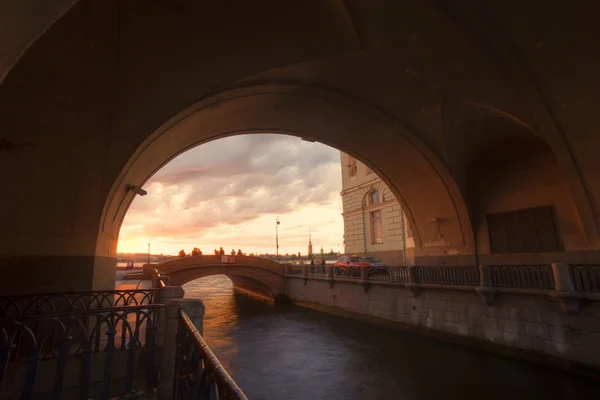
x=351, y=167
x=376, y=227
x=375, y=197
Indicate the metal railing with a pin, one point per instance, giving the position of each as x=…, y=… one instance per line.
x=523, y=276
x=317, y=270
x=45, y=303
x=51, y=344
x=586, y=278
x=198, y=372
x=390, y=274
x=448, y=275
x=294, y=271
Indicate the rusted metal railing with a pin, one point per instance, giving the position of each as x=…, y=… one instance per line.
x=58, y=341
x=198, y=372
x=522, y=276
x=46, y=303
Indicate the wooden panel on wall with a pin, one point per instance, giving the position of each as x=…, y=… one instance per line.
x=531, y=230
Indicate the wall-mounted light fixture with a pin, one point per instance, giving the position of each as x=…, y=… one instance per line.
x=137, y=190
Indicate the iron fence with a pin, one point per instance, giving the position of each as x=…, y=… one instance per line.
x=47, y=303
x=198, y=372
x=586, y=278
x=317, y=270
x=347, y=272
x=448, y=275
x=390, y=274
x=88, y=341
x=523, y=276
x=294, y=271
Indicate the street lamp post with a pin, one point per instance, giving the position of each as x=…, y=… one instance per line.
x=277, y=237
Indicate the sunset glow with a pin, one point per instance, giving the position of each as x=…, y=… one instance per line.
x=229, y=192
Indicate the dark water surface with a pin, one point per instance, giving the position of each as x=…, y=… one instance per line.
x=288, y=352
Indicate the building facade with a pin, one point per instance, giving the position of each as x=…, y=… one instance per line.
x=374, y=223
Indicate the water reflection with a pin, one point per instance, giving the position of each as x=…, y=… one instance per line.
x=279, y=351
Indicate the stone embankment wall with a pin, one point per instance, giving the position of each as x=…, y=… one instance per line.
x=528, y=325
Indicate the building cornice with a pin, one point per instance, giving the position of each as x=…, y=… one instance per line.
x=360, y=186
x=371, y=207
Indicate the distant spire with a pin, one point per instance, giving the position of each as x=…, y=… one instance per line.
x=310, y=249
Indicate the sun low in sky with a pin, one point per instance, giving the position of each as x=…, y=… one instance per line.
x=229, y=192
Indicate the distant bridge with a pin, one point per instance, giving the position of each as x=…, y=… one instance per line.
x=251, y=273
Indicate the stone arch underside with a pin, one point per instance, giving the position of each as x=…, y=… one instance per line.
x=425, y=189
x=83, y=98
x=252, y=273
x=257, y=280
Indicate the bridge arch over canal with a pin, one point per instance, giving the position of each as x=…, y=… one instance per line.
x=256, y=274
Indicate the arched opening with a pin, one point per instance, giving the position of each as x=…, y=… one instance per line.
x=313, y=116
x=229, y=192
x=521, y=203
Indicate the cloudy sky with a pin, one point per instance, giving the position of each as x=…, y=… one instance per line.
x=228, y=193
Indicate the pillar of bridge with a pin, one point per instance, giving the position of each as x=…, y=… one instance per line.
x=466, y=112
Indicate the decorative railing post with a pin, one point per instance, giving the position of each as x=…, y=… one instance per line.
x=564, y=289
x=305, y=271
x=413, y=280
x=486, y=288
x=163, y=343
x=329, y=278
x=364, y=278
x=194, y=308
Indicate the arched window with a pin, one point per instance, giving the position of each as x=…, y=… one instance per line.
x=375, y=197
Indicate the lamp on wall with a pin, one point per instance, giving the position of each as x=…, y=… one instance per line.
x=137, y=190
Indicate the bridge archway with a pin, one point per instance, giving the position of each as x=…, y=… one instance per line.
x=251, y=273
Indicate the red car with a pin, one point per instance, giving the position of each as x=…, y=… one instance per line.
x=350, y=265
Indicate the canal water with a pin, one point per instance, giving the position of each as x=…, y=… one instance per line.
x=278, y=352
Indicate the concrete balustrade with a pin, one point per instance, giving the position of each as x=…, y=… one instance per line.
x=305, y=271
x=330, y=275
x=413, y=281
x=486, y=288
x=194, y=309
x=564, y=289
x=166, y=334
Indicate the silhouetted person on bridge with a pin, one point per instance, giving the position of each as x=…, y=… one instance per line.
x=216, y=252
x=239, y=253
x=233, y=252
x=221, y=251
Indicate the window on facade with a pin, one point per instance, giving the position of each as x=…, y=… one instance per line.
x=530, y=230
x=351, y=167
x=375, y=197
x=376, y=227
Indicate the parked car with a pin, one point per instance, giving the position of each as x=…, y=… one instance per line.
x=349, y=265
x=377, y=266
